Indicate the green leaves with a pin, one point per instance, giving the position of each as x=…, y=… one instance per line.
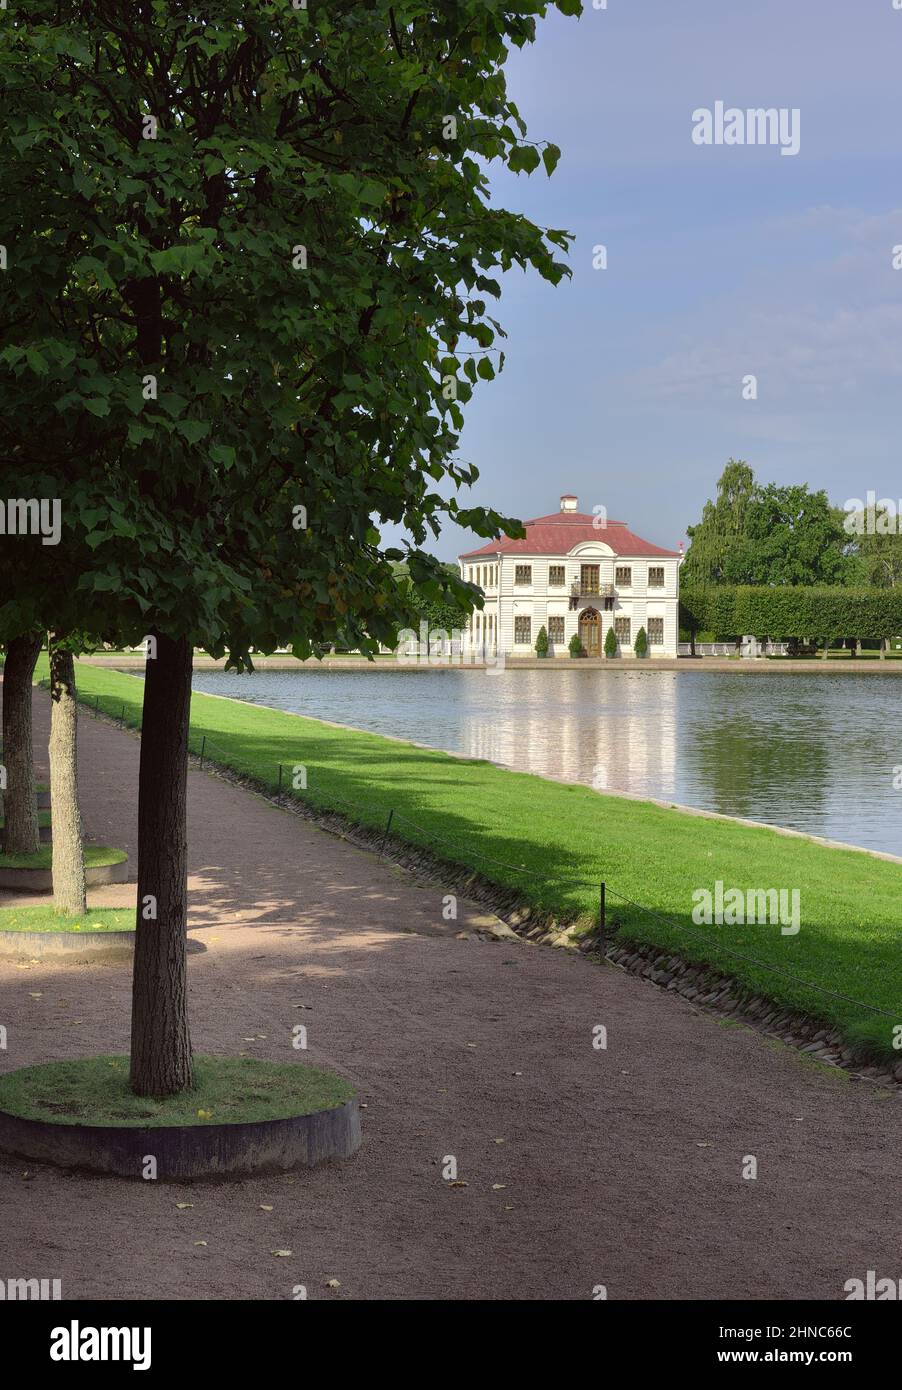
x=177, y=373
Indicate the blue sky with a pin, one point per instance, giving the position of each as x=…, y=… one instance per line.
x=624, y=385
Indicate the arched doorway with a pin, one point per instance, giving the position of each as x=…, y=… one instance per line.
x=590, y=631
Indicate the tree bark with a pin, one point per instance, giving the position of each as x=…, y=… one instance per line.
x=68, y=850
x=161, y=1062
x=882, y=648
x=20, y=834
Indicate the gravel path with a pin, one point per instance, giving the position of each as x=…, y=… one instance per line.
x=619, y=1167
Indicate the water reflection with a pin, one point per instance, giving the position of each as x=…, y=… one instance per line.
x=814, y=753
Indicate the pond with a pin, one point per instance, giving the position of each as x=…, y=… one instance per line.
x=816, y=753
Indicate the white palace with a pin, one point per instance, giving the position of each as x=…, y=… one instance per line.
x=573, y=574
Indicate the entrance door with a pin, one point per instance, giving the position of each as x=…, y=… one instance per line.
x=590, y=631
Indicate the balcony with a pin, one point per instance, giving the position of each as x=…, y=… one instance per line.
x=588, y=588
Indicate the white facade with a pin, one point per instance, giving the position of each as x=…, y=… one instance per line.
x=593, y=582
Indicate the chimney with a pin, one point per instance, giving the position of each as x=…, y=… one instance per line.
x=569, y=503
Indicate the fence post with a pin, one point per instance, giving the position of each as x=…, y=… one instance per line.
x=386, y=830
x=601, y=916
x=279, y=793
x=122, y=715
x=203, y=744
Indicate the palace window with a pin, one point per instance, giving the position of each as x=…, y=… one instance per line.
x=556, y=576
x=623, y=575
x=590, y=578
x=656, y=632
x=622, y=631
x=556, y=628
x=523, y=574
x=656, y=576
x=522, y=631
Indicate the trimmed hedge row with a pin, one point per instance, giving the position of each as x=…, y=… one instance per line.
x=788, y=611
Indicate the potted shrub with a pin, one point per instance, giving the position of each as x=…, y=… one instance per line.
x=542, y=643
x=610, y=643
x=640, y=646
x=576, y=646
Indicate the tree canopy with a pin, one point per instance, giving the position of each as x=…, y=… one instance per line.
x=249, y=264
x=767, y=534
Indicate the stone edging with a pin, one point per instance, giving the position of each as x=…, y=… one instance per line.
x=188, y=1152
x=77, y=947
x=41, y=880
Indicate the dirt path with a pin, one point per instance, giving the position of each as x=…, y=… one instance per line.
x=619, y=1167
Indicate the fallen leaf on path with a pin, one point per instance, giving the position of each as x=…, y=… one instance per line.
x=280, y=1254
x=184, y=1206
x=332, y=1284
x=265, y=1208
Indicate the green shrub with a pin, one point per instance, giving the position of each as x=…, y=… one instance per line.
x=576, y=646
x=640, y=646
x=610, y=643
x=542, y=643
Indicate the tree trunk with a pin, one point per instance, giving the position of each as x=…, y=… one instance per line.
x=161, y=1062
x=882, y=648
x=68, y=850
x=826, y=651
x=20, y=835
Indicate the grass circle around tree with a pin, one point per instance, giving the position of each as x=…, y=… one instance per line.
x=47, y=919
x=242, y=1115
x=99, y=934
x=33, y=872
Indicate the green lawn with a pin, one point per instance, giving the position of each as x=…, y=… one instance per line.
x=95, y=857
x=46, y=919
x=555, y=843
x=228, y=1090
x=43, y=819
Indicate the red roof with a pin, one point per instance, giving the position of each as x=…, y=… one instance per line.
x=559, y=533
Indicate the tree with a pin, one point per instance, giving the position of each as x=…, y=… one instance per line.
x=68, y=856
x=249, y=257
x=610, y=643
x=542, y=642
x=877, y=559
x=20, y=828
x=575, y=646
x=791, y=535
x=766, y=534
x=640, y=646
x=713, y=540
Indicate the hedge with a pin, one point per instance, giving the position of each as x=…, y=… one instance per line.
x=788, y=610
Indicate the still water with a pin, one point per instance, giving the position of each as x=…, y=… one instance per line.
x=815, y=753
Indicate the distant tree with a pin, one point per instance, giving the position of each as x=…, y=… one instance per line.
x=442, y=599
x=766, y=534
x=714, y=538
x=877, y=560
x=791, y=535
